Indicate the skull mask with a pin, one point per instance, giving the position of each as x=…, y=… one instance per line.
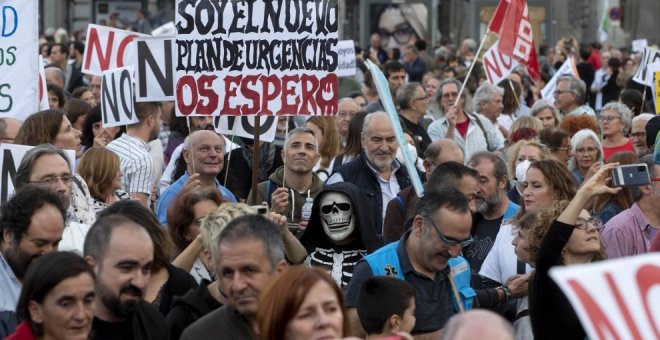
x=337, y=216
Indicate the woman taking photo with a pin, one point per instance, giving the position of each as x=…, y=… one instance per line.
x=571, y=239
x=588, y=155
x=57, y=299
x=616, y=121
x=302, y=303
x=99, y=167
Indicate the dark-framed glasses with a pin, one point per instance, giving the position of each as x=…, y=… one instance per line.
x=449, y=241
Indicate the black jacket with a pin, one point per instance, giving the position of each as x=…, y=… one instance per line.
x=189, y=308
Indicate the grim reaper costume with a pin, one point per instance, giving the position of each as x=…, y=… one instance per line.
x=340, y=232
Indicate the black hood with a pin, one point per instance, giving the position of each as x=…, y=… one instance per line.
x=314, y=236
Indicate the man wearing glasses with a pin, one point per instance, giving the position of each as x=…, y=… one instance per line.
x=631, y=231
x=427, y=256
x=414, y=103
x=570, y=95
x=48, y=167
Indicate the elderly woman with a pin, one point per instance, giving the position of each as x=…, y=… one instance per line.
x=616, y=120
x=546, y=112
x=587, y=155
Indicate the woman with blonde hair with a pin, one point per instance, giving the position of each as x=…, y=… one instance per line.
x=329, y=145
x=524, y=150
x=99, y=167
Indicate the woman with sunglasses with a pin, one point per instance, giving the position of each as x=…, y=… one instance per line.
x=571, y=239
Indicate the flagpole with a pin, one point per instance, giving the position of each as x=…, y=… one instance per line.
x=467, y=76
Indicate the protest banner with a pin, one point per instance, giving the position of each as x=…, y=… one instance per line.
x=615, y=299
x=649, y=63
x=497, y=65
x=266, y=57
x=117, y=97
x=167, y=29
x=43, y=94
x=639, y=44
x=244, y=126
x=155, y=68
x=11, y=156
x=386, y=98
x=108, y=48
x=567, y=68
x=346, y=50
x=19, y=63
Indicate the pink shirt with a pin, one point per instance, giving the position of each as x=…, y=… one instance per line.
x=627, y=234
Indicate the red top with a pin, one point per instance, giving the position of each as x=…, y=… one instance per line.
x=463, y=127
x=23, y=332
x=609, y=151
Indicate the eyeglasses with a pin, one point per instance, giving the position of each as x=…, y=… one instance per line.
x=447, y=95
x=402, y=34
x=449, y=241
x=609, y=118
x=425, y=98
x=559, y=92
x=586, y=150
x=583, y=224
x=51, y=180
x=564, y=148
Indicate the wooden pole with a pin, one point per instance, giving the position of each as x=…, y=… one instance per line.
x=255, y=159
x=192, y=158
x=467, y=76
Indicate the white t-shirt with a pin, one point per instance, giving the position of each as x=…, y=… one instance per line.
x=502, y=262
x=73, y=237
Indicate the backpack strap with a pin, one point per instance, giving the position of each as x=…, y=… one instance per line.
x=481, y=126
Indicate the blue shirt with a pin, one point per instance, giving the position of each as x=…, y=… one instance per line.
x=173, y=190
x=11, y=287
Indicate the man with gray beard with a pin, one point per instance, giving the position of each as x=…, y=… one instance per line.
x=493, y=207
x=376, y=171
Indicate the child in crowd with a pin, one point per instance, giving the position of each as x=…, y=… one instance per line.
x=386, y=307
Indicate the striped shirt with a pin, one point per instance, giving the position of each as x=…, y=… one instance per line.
x=475, y=139
x=135, y=163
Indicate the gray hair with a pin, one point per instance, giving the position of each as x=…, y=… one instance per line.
x=22, y=176
x=255, y=227
x=543, y=104
x=467, y=98
x=577, y=139
x=644, y=117
x=484, y=94
x=213, y=224
x=406, y=93
x=648, y=160
x=576, y=86
x=298, y=130
x=623, y=111
x=368, y=118
x=470, y=43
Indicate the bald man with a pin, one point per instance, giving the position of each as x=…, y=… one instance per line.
x=440, y=151
x=203, y=152
x=478, y=324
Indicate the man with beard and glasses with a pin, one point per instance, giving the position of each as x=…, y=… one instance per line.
x=48, y=167
x=427, y=256
x=135, y=162
x=376, y=171
x=249, y=255
x=121, y=254
x=32, y=222
x=290, y=185
x=203, y=154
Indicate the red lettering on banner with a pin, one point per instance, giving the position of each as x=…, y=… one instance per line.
x=647, y=277
x=122, y=47
x=308, y=94
x=622, y=306
x=596, y=315
x=95, y=45
x=495, y=63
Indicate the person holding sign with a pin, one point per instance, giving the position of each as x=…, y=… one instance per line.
x=133, y=151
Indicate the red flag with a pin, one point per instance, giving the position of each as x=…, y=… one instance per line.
x=511, y=22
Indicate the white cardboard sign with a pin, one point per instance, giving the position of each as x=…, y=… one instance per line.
x=243, y=126
x=108, y=48
x=497, y=66
x=567, y=68
x=649, y=63
x=154, y=68
x=347, y=61
x=117, y=97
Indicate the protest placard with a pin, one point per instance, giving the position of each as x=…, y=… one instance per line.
x=167, y=29
x=19, y=63
x=497, y=65
x=244, y=127
x=256, y=57
x=386, y=98
x=649, y=63
x=656, y=92
x=108, y=48
x=567, y=68
x=347, y=61
x=43, y=94
x=11, y=156
x=117, y=97
x=615, y=299
x=639, y=44
x=155, y=68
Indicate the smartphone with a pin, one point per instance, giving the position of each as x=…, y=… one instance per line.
x=631, y=175
x=261, y=209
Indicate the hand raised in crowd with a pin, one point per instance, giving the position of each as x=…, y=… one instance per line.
x=279, y=201
x=192, y=182
x=518, y=285
x=597, y=184
x=592, y=170
x=450, y=115
x=279, y=220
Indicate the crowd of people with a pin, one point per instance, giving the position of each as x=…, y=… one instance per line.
x=154, y=231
